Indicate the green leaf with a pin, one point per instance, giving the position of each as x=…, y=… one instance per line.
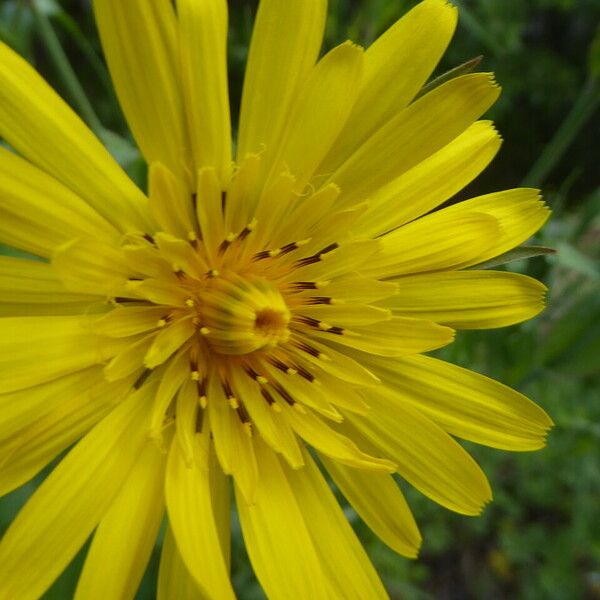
x=463, y=69
x=519, y=253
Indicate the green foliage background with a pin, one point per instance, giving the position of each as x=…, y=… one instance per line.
x=540, y=539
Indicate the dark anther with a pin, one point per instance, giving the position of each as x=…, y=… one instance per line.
x=318, y=300
x=309, y=260
x=139, y=382
x=267, y=396
x=223, y=200
x=308, y=349
x=149, y=238
x=194, y=200
x=284, y=394
x=336, y=330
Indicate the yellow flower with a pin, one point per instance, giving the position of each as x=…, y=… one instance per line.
x=249, y=308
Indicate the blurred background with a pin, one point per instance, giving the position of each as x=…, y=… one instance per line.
x=540, y=538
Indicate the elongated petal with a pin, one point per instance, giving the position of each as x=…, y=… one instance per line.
x=343, y=558
x=70, y=416
x=320, y=112
x=203, y=38
x=469, y=299
x=233, y=439
x=38, y=349
x=39, y=213
x=63, y=512
x=466, y=404
x=379, y=502
x=91, y=265
x=21, y=407
x=277, y=538
x=426, y=455
x=298, y=538
x=274, y=430
x=405, y=54
x=432, y=181
x=326, y=440
x=33, y=117
x=192, y=519
x=520, y=213
x=396, y=337
x=29, y=287
x=125, y=538
x=285, y=44
x=414, y=134
x=139, y=40
x=170, y=202
x=174, y=579
x=436, y=242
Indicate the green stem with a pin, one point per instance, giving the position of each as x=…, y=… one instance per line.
x=64, y=68
x=586, y=104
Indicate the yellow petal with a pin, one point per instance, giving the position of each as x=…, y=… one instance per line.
x=275, y=431
x=125, y=537
x=436, y=242
x=466, y=404
x=319, y=435
x=396, y=337
x=89, y=265
x=469, y=299
x=167, y=341
x=220, y=490
x=37, y=349
x=343, y=315
x=66, y=508
x=203, y=39
x=192, y=520
x=81, y=404
x=209, y=210
x=170, y=204
x=33, y=117
x=129, y=320
x=39, y=213
x=285, y=44
x=520, y=213
x=282, y=552
x=415, y=133
x=337, y=364
x=432, y=181
x=380, y=503
x=405, y=55
x=342, y=555
x=174, y=375
x=174, y=580
x=320, y=111
x=139, y=39
x=427, y=457
x=32, y=288
x=233, y=440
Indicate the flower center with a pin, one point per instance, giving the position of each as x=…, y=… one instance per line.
x=239, y=315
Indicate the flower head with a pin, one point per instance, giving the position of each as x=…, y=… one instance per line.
x=246, y=309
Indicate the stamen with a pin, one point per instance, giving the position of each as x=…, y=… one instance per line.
x=309, y=260
x=149, y=238
x=247, y=230
x=227, y=242
x=139, y=382
x=190, y=303
x=270, y=400
x=319, y=300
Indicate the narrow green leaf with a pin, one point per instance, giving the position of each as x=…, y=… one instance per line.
x=519, y=253
x=463, y=69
